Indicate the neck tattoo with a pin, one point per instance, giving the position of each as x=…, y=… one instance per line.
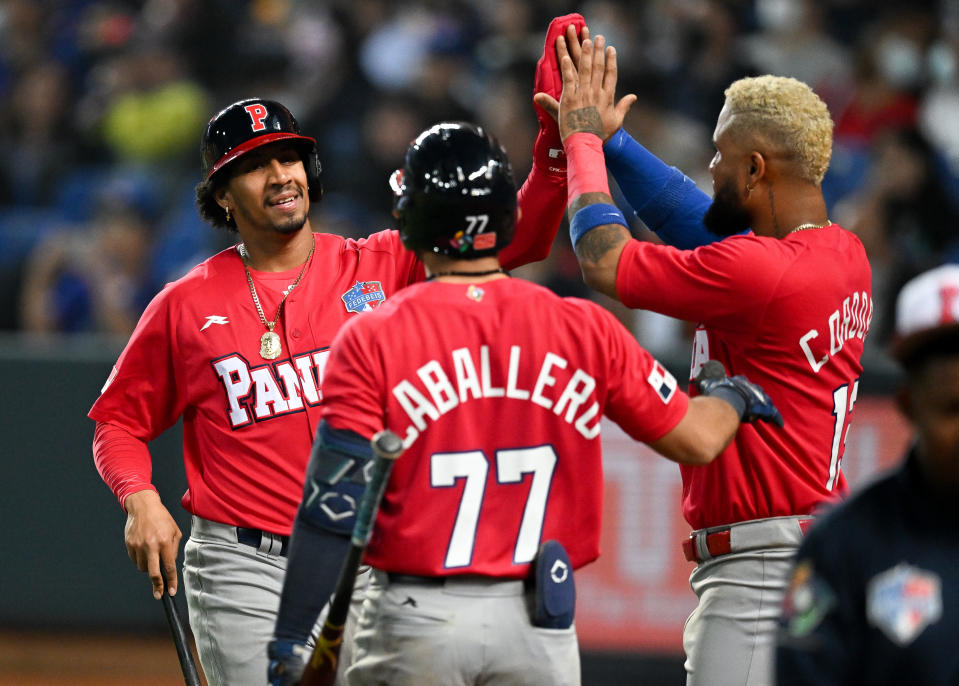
x=500, y=270
x=803, y=227
x=270, y=347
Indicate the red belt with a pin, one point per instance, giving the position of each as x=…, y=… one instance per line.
x=719, y=542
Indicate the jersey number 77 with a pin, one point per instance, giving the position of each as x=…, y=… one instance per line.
x=511, y=466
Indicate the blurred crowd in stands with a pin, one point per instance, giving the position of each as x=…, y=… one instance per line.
x=102, y=104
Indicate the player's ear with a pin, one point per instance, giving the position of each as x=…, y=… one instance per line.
x=223, y=197
x=757, y=166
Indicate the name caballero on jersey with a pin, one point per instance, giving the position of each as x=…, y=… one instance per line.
x=475, y=374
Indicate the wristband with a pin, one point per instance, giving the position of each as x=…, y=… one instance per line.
x=586, y=166
x=592, y=216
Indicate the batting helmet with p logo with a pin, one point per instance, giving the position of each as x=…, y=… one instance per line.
x=248, y=124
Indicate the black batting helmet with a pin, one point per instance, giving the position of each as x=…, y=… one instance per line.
x=248, y=124
x=455, y=194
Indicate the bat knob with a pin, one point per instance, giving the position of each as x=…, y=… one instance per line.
x=712, y=370
x=387, y=444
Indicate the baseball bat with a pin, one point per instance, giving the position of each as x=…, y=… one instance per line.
x=190, y=675
x=320, y=670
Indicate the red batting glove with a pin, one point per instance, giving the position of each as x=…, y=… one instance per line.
x=548, y=152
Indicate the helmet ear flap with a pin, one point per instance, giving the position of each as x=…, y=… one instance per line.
x=401, y=206
x=313, y=170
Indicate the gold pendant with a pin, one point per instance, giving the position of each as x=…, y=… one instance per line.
x=270, y=346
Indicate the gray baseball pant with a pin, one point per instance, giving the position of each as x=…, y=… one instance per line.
x=458, y=632
x=233, y=594
x=730, y=637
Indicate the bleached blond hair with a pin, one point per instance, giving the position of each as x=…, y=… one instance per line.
x=786, y=114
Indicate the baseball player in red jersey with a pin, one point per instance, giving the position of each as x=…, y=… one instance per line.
x=788, y=305
x=497, y=387
x=237, y=350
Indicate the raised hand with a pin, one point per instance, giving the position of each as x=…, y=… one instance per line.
x=591, y=71
x=548, y=152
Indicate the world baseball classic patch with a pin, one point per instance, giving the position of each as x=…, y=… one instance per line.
x=662, y=382
x=903, y=601
x=363, y=296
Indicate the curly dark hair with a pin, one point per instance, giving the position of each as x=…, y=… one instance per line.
x=210, y=210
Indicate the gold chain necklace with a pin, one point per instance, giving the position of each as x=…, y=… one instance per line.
x=803, y=227
x=270, y=348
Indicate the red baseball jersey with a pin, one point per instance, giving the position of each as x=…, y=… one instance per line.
x=497, y=389
x=790, y=315
x=248, y=423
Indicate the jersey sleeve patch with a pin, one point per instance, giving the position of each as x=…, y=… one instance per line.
x=807, y=601
x=662, y=382
x=363, y=296
x=903, y=601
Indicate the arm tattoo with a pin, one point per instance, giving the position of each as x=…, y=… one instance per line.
x=585, y=119
x=599, y=241
x=585, y=199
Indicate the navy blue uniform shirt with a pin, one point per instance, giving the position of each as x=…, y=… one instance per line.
x=874, y=597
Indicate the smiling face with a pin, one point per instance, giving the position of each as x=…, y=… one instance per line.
x=267, y=190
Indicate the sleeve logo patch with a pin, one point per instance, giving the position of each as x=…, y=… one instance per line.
x=363, y=296
x=662, y=382
x=903, y=601
x=807, y=601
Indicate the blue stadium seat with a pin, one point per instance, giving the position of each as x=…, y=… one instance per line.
x=23, y=227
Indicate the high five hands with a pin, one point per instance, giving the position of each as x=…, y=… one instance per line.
x=589, y=73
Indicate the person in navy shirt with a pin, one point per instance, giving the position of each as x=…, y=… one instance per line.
x=874, y=596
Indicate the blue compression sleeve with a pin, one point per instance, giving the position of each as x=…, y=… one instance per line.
x=313, y=566
x=667, y=200
x=317, y=550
